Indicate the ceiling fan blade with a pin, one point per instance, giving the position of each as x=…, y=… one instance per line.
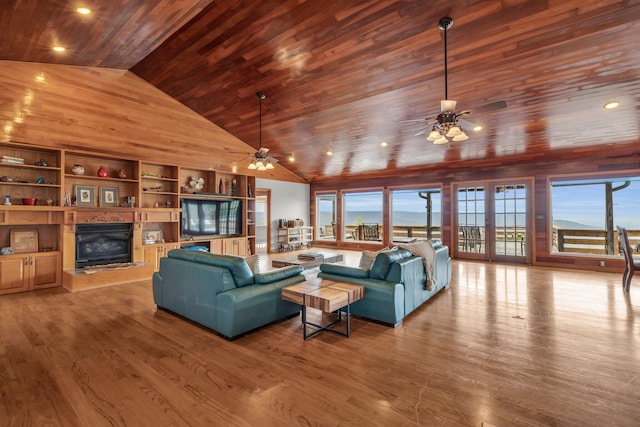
x=263, y=150
x=498, y=105
x=412, y=120
x=466, y=124
x=423, y=131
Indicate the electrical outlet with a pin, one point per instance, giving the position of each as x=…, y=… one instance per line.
x=601, y=263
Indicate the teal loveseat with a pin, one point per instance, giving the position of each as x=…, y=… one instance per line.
x=221, y=293
x=395, y=285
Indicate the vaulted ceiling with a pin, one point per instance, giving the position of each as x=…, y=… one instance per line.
x=341, y=75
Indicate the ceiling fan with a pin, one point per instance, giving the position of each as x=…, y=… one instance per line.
x=261, y=160
x=449, y=124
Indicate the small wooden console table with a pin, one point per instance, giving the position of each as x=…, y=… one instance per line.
x=325, y=295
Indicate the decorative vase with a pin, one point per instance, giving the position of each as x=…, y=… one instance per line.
x=102, y=172
x=7, y=200
x=122, y=173
x=249, y=191
x=77, y=170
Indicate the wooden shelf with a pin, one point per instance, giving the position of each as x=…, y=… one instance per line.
x=99, y=178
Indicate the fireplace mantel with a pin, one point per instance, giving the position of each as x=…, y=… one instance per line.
x=97, y=216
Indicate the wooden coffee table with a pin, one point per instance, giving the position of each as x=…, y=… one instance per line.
x=327, y=257
x=325, y=295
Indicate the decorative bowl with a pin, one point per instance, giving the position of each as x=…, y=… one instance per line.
x=29, y=201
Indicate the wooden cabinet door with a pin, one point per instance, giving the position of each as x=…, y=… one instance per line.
x=14, y=274
x=151, y=255
x=242, y=246
x=235, y=246
x=45, y=270
x=216, y=246
x=228, y=246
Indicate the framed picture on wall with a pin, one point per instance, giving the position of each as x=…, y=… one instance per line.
x=108, y=196
x=85, y=195
x=24, y=240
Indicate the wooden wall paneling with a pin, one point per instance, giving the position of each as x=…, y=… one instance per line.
x=114, y=113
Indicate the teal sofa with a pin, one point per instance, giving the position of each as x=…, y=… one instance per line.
x=221, y=293
x=395, y=285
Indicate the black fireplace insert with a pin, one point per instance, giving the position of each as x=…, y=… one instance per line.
x=99, y=244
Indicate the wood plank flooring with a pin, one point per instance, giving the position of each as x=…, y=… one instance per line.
x=506, y=345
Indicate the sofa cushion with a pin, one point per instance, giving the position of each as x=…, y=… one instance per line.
x=182, y=254
x=367, y=257
x=277, y=274
x=238, y=267
x=344, y=270
x=383, y=261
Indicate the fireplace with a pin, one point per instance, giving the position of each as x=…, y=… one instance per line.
x=98, y=244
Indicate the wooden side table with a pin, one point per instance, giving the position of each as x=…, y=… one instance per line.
x=325, y=295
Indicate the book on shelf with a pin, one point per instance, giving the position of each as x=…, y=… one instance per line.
x=12, y=160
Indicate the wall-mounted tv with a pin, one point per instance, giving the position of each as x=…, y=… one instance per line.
x=211, y=217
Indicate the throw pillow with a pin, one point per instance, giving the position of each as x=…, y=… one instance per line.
x=367, y=257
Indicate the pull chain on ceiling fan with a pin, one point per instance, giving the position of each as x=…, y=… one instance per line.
x=448, y=123
x=261, y=160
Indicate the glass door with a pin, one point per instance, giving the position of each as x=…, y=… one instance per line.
x=472, y=221
x=510, y=222
x=493, y=221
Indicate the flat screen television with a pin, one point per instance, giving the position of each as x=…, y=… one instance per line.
x=211, y=217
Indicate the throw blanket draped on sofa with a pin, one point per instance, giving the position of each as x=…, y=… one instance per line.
x=424, y=249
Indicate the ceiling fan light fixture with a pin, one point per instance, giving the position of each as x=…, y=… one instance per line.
x=460, y=137
x=261, y=160
x=445, y=126
x=447, y=105
x=433, y=135
x=453, y=131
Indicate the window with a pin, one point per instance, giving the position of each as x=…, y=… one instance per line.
x=585, y=213
x=326, y=216
x=362, y=215
x=415, y=214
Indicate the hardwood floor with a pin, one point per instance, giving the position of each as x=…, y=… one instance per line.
x=506, y=345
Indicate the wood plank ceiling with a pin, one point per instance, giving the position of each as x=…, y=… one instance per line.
x=340, y=75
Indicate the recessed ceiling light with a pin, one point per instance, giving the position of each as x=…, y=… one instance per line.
x=59, y=49
x=83, y=10
x=292, y=158
x=384, y=143
x=477, y=128
x=329, y=153
x=40, y=77
x=611, y=105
